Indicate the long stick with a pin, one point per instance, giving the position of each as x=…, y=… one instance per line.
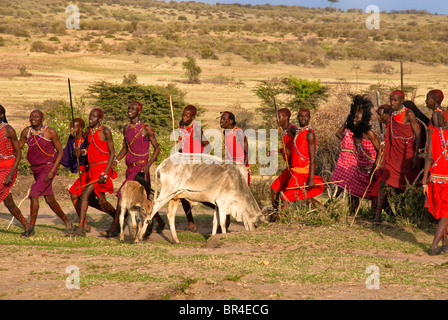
x=281, y=135
x=378, y=105
x=172, y=118
x=87, y=184
x=74, y=132
x=401, y=75
x=28, y=193
x=318, y=184
x=371, y=178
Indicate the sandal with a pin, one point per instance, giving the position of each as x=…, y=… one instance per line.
x=27, y=233
x=109, y=234
x=436, y=252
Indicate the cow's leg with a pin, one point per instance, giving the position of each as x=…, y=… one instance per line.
x=132, y=224
x=171, y=215
x=138, y=227
x=220, y=218
x=122, y=215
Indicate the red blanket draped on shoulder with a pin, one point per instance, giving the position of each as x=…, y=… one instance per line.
x=300, y=166
x=398, y=153
x=437, y=201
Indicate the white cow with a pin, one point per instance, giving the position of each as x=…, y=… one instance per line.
x=139, y=208
x=205, y=178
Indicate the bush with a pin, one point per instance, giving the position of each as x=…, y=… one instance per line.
x=114, y=99
x=40, y=46
x=192, y=70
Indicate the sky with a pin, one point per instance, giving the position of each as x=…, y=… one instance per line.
x=432, y=6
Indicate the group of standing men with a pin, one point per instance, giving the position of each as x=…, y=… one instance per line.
x=366, y=168
x=90, y=153
x=369, y=168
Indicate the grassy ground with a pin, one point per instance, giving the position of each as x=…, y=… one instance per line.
x=276, y=261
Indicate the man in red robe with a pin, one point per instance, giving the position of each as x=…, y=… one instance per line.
x=235, y=142
x=100, y=155
x=289, y=131
x=435, y=183
x=44, y=156
x=10, y=155
x=402, y=140
x=191, y=140
x=303, y=183
x=138, y=137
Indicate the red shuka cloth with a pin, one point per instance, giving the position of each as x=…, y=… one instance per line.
x=98, y=152
x=7, y=159
x=437, y=201
x=300, y=158
x=398, y=153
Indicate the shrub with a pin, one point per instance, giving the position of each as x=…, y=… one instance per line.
x=192, y=70
x=40, y=46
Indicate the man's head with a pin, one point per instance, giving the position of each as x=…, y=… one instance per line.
x=396, y=99
x=384, y=113
x=95, y=117
x=283, y=116
x=304, y=117
x=188, y=115
x=434, y=98
x=36, y=118
x=135, y=108
x=79, y=127
x=227, y=120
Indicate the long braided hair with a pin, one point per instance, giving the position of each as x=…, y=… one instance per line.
x=360, y=103
x=2, y=110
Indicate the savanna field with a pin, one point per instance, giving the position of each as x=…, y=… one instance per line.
x=140, y=47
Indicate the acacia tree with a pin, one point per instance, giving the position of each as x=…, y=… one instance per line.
x=291, y=93
x=192, y=70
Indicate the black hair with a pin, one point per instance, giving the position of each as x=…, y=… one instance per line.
x=411, y=105
x=360, y=103
x=2, y=110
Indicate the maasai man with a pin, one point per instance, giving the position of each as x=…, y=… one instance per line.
x=435, y=183
x=10, y=155
x=100, y=156
x=402, y=140
x=384, y=113
x=44, y=156
x=289, y=131
x=433, y=101
x=303, y=183
x=191, y=140
x=235, y=142
x=138, y=137
x=367, y=147
x=76, y=139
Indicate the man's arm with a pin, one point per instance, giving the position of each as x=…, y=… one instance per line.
x=57, y=145
x=311, y=138
x=10, y=134
x=428, y=163
x=149, y=132
x=123, y=151
x=107, y=135
x=417, y=135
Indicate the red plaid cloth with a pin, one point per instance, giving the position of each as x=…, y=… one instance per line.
x=366, y=158
x=347, y=162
